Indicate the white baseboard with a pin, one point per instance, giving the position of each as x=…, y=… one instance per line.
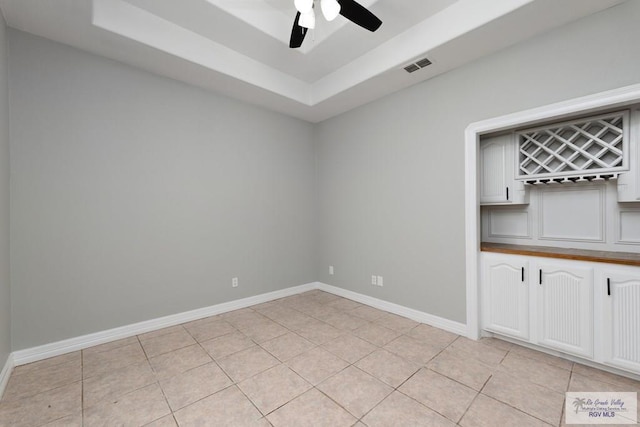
x=41, y=352
x=418, y=316
x=6, y=373
x=34, y=354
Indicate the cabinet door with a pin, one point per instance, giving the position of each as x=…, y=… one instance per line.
x=498, y=185
x=493, y=170
x=506, y=295
x=629, y=182
x=565, y=307
x=621, y=296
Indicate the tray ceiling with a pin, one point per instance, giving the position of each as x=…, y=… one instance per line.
x=240, y=47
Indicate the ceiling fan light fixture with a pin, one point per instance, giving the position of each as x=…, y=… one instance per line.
x=303, y=6
x=308, y=20
x=330, y=9
x=349, y=9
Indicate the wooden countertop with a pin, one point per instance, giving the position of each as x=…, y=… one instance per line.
x=625, y=258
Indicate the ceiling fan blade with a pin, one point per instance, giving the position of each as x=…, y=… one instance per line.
x=297, y=33
x=359, y=15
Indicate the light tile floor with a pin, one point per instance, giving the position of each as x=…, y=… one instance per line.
x=313, y=359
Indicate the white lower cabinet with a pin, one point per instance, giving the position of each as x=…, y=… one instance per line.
x=620, y=290
x=506, y=295
x=565, y=307
x=554, y=303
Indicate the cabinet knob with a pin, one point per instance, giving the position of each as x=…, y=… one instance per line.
x=608, y=286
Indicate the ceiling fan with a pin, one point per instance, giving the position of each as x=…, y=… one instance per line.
x=306, y=18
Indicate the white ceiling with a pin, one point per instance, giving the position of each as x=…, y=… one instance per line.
x=240, y=47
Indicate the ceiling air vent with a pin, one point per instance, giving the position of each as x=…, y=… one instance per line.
x=421, y=63
x=411, y=68
x=424, y=62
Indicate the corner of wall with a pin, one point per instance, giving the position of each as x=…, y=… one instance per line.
x=6, y=359
x=5, y=373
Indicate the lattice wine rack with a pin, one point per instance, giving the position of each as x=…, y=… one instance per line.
x=592, y=148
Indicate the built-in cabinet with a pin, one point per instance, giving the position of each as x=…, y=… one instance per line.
x=565, y=309
x=561, y=185
x=585, y=309
x=498, y=185
x=621, y=315
x=506, y=295
x=590, y=149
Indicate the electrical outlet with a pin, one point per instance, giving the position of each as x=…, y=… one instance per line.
x=234, y=282
x=374, y=280
x=331, y=270
x=380, y=281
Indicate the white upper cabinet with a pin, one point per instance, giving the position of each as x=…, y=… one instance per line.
x=505, y=294
x=620, y=290
x=493, y=167
x=565, y=307
x=497, y=172
x=594, y=148
x=629, y=182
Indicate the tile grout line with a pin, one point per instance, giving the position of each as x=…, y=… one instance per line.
x=515, y=408
x=102, y=402
x=506, y=403
x=395, y=389
x=312, y=385
x=331, y=376
x=82, y=387
x=166, y=399
x=564, y=408
x=135, y=390
x=233, y=384
x=468, y=407
x=264, y=416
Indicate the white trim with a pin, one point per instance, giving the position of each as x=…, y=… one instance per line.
x=621, y=97
x=34, y=354
x=6, y=373
x=472, y=230
x=418, y=316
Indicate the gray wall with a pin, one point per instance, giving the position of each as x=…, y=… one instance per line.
x=5, y=291
x=391, y=173
x=136, y=196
